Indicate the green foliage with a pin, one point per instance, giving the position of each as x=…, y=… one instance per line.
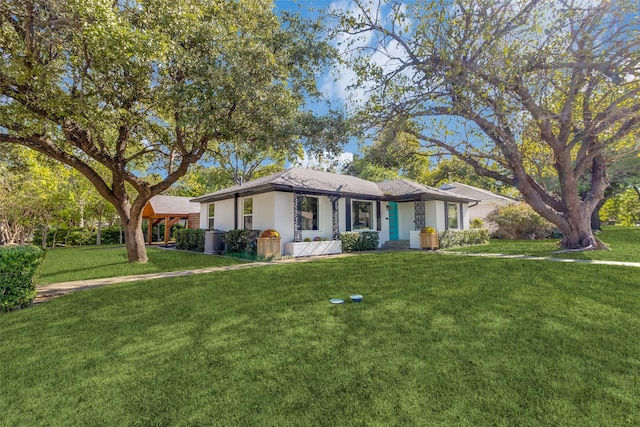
x=119, y=89
x=190, y=239
x=624, y=207
x=544, y=111
x=519, y=221
x=78, y=236
x=353, y=241
x=476, y=223
x=241, y=240
x=455, y=238
x=18, y=268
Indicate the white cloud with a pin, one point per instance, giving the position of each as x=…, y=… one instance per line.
x=339, y=84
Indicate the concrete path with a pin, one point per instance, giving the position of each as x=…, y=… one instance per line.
x=56, y=289
x=46, y=292
x=540, y=258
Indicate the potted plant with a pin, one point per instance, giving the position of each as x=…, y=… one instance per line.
x=269, y=243
x=428, y=238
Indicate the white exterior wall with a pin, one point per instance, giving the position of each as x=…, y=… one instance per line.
x=384, y=226
x=204, y=216
x=223, y=219
x=283, y=216
x=482, y=209
x=434, y=214
x=465, y=215
x=406, y=219
x=224, y=215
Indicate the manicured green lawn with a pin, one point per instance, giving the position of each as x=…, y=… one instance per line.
x=624, y=243
x=94, y=262
x=438, y=340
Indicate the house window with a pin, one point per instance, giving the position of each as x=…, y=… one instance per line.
x=212, y=209
x=309, y=213
x=248, y=213
x=452, y=216
x=361, y=215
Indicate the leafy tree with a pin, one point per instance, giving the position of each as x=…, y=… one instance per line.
x=498, y=82
x=33, y=191
x=624, y=175
x=394, y=153
x=113, y=88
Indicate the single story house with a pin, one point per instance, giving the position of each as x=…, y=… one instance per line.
x=486, y=201
x=305, y=203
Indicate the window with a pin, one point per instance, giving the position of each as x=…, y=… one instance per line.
x=212, y=209
x=361, y=215
x=452, y=216
x=248, y=213
x=309, y=213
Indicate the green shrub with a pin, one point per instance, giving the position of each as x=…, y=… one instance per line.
x=76, y=236
x=241, y=240
x=189, y=239
x=18, y=268
x=476, y=223
x=353, y=241
x=111, y=235
x=519, y=221
x=453, y=238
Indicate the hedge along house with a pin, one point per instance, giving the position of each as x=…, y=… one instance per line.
x=305, y=203
x=172, y=210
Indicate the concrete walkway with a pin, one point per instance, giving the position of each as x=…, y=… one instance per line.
x=540, y=258
x=49, y=291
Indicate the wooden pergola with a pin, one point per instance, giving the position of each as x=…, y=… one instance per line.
x=171, y=210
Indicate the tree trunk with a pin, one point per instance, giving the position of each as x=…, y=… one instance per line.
x=596, y=224
x=577, y=233
x=45, y=234
x=134, y=238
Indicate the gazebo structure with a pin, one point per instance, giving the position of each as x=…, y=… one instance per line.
x=171, y=210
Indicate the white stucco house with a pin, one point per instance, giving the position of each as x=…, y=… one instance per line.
x=486, y=201
x=305, y=203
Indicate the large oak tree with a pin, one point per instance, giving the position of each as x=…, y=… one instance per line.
x=123, y=89
x=497, y=82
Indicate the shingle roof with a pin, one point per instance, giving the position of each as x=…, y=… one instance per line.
x=403, y=189
x=299, y=179
x=319, y=182
x=173, y=205
x=474, y=192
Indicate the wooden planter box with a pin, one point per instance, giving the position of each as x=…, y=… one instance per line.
x=429, y=241
x=324, y=247
x=268, y=247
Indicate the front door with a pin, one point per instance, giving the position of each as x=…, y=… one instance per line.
x=393, y=220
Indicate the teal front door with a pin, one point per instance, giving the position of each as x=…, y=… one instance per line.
x=393, y=220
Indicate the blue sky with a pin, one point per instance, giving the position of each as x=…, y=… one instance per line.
x=335, y=91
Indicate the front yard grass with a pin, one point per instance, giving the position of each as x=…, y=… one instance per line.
x=95, y=262
x=436, y=341
x=624, y=244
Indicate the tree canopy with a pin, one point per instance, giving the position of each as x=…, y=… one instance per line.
x=513, y=88
x=116, y=89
